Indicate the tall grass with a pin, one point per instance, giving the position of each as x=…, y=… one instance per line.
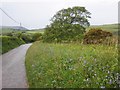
x=72, y=66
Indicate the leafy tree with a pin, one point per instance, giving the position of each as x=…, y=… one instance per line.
x=67, y=24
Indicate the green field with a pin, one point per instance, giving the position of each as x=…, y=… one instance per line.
x=107, y=27
x=35, y=31
x=71, y=66
x=8, y=30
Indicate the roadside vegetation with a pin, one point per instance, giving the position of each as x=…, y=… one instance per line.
x=9, y=43
x=11, y=39
x=72, y=66
x=69, y=53
x=73, y=55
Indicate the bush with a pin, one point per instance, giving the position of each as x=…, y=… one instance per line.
x=9, y=34
x=37, y=36
x=9, y=43
x=26, y=37
x=96, y=36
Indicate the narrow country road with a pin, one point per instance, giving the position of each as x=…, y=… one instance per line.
x=13, y=68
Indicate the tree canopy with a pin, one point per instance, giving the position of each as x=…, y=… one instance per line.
x=67, y=24
x=75, y=15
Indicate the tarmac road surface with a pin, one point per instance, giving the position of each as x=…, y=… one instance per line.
x=13, y=68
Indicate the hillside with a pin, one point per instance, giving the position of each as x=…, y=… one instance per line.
x=107, y=27
x=14, y=27
x=9, y=29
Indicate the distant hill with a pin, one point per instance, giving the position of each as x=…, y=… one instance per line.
x=113, y=28
x=13, y=27
x=9, y=29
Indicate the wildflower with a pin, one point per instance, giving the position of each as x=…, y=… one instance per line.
x=81, y=57
x=70, y=60
x=102, y=87
x=54, y=81
x=85, y=61
x=70, y=68
x=106, y=76
x=117, y=74
x=95, y=74
x=33, y=65
x=110, y=82
x=92, y=71
x=89, y=68
x=87, y=79
x=97, y=83
x=95, y=59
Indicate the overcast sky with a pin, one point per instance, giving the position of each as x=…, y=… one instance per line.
x=37, y=13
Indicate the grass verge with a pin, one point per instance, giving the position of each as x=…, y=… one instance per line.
x=71, y=66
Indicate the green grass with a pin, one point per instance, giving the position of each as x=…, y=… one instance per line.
x=4, y=31
x=107, y=27
x=35, y=31
x=8, y=30
x=7, y=43
x=71, y=66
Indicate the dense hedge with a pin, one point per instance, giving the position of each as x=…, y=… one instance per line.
x=26, y=37
x=9, y=43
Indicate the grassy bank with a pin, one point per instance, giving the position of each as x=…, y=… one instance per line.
x=71, y=66
x=9, y=43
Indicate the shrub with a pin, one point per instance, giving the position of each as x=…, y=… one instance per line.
x=9, y=34
x=96, y=36
x=26, y=37
x=37, y=36
x=9, y=43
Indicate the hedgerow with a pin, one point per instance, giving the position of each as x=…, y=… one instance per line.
x=9, y=43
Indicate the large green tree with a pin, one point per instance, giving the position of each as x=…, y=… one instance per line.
x=67, y=25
